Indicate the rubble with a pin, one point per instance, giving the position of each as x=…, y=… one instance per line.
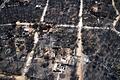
x=39, y=40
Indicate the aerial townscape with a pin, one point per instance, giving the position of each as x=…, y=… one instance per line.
x=59, y=40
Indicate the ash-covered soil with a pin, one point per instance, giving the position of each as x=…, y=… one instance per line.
x=98, y=13
x=65, y=37
x=62, y=12
x=14, y=11
x=51, y=47
x=57, y=45
x=101, y=46
x=103, y=50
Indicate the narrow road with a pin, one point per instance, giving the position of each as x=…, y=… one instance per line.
x=44, y=11
x=36, y=39
x=79, y=53
x=98, y=28
x=30, y=55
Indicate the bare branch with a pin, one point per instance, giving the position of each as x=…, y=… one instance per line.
x=3, y=4
x=115, y=23
x=116, y=19
x=113, y=4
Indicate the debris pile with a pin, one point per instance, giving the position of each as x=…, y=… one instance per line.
x=38, y=40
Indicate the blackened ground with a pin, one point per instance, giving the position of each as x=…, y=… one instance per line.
x=117, y=27
x=14, y=11
x=7, y=47
x=11, y=67
x=65, y=37
x=62, y=12
x=103, y=50
x=36, y=72
x=102, y=17
x=1, y=1
x=10, y=62
x=62, y=37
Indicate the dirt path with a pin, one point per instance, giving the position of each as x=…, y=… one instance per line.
x=30, y=55
x=79, y=71
x=44, y=11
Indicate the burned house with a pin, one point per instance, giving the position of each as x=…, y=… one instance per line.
x=39, y=40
